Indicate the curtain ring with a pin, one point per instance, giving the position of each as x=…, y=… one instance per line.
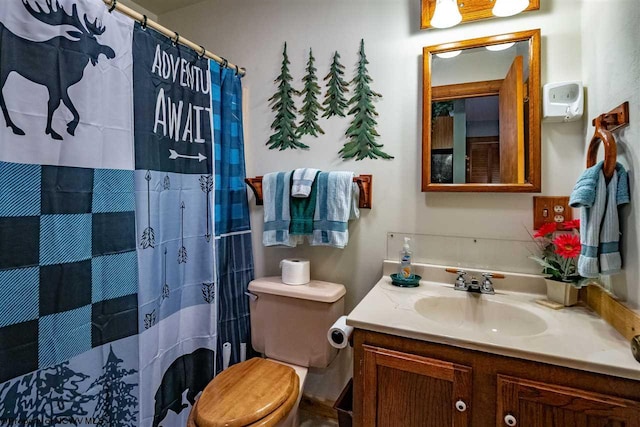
x=144, y=22
x=176, y=40
x=237, y=70
x=201, y=54
x=225, y=63
x=114, y=3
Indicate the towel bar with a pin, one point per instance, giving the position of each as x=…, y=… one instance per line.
x=365, y=183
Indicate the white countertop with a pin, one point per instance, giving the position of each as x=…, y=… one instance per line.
x=575, y=337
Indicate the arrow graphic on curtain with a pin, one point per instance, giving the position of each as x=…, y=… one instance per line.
x=165, y=287
x=182, y=252
x=206, y=185
x=173, y=155
x=148, y=239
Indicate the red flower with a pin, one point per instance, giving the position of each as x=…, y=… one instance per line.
x=567, y=245
x=545, y=229
x=570, y=225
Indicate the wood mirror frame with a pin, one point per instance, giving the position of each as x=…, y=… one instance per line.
x=532, y=182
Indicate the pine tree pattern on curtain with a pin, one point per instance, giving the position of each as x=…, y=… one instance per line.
x=232, y=227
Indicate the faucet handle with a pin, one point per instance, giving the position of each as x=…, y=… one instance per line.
x=460, y=272
x=487, y=284
x=461, y=282
x=489, y=275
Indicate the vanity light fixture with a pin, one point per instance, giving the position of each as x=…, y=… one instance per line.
x=498, y=47
x=447, y=55
x=509, y=7
x=446, y=14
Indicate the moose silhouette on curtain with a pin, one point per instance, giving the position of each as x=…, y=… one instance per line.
x=57, y=64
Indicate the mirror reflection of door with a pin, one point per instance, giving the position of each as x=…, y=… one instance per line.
x=512, y=125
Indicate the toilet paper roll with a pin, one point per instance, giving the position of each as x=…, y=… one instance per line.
x=226, y=355
x=295, y=271
x=338, y=335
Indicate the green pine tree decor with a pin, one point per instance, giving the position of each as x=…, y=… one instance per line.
x=284, y=125
x=362, y=132
x=334, y=101
x=310, y=105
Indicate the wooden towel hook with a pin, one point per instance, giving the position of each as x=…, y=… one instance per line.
x=605, y=124
x=610, y=149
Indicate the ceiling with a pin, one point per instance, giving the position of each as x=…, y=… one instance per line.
x=163, y=6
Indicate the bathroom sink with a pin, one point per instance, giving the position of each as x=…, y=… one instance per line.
x=474, y=312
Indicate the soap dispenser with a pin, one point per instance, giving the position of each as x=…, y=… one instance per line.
x=406, y=270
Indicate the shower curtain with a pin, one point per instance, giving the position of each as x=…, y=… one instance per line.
x=125, y=245
x=233, y=230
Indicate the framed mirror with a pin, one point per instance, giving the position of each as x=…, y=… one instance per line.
x=481, y=114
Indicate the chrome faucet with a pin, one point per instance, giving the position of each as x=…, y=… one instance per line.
x=486, y=287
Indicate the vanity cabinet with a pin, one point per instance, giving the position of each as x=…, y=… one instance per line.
x=405, y=382
x=531, y=403
x=402, y=389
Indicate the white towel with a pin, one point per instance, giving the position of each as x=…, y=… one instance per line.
x=277, y=217
x=302, y=181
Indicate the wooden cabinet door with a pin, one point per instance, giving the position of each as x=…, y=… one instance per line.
x=535, y=404
x=405, y=390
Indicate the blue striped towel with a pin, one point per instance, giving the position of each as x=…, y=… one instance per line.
x=302, y=182
x=599, y=225
x=609, y=248
x=276, y=189
x=336, y=203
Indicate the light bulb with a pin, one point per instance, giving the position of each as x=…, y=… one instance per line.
x=446, y=55
x=446, y=14
x=497, y=47
x=509, y=7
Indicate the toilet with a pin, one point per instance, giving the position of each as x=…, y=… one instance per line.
x=289, y=327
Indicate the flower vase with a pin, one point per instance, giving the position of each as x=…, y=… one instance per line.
x=562, y=292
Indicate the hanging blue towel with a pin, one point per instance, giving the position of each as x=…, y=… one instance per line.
x=302, y=182
x=336, y=203
x=599, y=225
x=609, y=248
x=276, y=188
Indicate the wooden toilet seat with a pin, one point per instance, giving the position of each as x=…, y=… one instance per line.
x=256, y=393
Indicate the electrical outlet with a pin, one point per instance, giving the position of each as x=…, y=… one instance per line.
x=550, y=209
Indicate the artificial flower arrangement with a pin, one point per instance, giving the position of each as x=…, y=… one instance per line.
x=560, y=247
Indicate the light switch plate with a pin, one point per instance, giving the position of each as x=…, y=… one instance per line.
x=550, y=209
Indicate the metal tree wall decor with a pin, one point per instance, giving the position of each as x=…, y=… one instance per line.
x=310, y=105
x=284, y=125
x=362, y=133
x=334, y=100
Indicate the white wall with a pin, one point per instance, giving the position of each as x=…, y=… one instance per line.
x=133, y=5
x=611, y=74
x=252, y=34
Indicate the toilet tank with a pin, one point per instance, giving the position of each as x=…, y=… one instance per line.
x=290, y=323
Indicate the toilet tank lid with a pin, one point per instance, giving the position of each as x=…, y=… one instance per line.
x=315, y=290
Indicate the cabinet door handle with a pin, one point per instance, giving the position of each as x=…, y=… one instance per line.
x=510, y=420
x=461, y=406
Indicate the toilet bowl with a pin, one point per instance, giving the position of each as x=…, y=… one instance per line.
x=288, y=326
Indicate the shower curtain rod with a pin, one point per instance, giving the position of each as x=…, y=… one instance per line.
x=114, y=4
